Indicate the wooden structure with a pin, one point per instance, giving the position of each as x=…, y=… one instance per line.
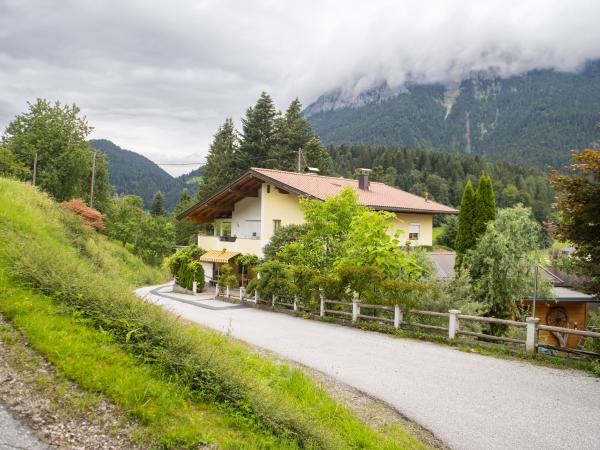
x=567, y=309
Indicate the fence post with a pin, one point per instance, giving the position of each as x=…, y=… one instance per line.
x=295, y=302
x=216, y=289
x=241, y=293
x=256, y=297
x=397, y=316
x=273, y=301
x=322, y=312
x=227, y=291
x=532, y=335
x=453, y=323
x=194, y=287
x=355, y=309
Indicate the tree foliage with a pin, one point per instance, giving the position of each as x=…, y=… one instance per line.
x=220, y=165
x=578, y=206
x=485, y=206
x=448, y=236
x=283, y=236
x=443, y=175
x=500, y=264
x=464, y=234
x=58, y=135
x=185, y=266
x=268, y=139
x=157, y=208
x=150, y=237
x=186, y=231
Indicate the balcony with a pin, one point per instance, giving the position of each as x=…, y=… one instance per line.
x=231, y=243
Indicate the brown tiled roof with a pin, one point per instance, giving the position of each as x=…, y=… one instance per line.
x=379, y=195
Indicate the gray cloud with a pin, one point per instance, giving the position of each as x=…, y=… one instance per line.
x=160, y=77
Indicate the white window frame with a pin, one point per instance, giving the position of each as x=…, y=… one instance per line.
x=412, y=234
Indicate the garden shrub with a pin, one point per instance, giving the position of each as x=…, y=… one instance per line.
x=185, y=266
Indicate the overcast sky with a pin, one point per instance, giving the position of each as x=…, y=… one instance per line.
x=158, y=77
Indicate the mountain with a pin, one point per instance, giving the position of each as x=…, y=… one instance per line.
x=535, y=118
x=132, y=173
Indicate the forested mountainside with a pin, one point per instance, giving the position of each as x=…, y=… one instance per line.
x=443, y=175
x=132, y=173
x=535, y=118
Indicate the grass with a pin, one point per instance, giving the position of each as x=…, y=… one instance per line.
x=69, y=290
x=437, y=231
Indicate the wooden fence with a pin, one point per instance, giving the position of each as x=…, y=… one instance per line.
x=355, y=311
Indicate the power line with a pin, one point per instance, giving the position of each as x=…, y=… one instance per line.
x=179, y=164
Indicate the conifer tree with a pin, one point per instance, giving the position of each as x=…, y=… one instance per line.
x=464, y=235
x=158, y=205
x=220, y=167
x=292, y=133
x=485, y=206
x=257, y=135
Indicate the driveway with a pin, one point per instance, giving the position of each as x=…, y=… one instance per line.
x=469, y=401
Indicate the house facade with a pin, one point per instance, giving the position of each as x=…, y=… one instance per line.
x=246, y=213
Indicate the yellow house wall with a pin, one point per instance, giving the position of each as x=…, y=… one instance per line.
x=278, y=206
x=424, y=220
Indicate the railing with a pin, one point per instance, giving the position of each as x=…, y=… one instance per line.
x=393, y=315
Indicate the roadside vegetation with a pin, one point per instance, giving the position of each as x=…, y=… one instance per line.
x=68, y=289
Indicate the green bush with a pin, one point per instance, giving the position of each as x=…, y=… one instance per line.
x=185, y=266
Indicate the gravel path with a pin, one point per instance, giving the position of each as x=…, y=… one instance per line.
x=467, y=400
x=15, y=435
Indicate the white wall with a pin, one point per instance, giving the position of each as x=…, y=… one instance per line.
x=245, y=218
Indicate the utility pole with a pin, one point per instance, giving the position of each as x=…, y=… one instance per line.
x=34, y=169
x=93, y=180
x=299, y=160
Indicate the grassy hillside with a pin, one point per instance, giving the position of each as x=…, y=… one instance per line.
x=68, y=290
x=535, y=118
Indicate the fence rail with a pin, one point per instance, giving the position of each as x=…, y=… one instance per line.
x=357, y=309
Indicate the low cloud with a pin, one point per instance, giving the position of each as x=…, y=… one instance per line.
x=159, y=80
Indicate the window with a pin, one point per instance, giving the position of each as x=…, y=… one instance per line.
x=414, y=229
x=226, y=229
x=276, y=225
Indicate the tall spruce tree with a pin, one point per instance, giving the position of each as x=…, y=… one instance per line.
x=485, y=206
x=157, y=208
x=464, y=235
x=258, y=133
x=293, y=133
x=220, y=165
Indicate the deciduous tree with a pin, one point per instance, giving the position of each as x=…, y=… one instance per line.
x=58, y=135
x=578, y=206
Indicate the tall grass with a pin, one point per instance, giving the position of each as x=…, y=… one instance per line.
x=55, y=254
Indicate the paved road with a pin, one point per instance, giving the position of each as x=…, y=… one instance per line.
x=15, y=435
x=467, y=400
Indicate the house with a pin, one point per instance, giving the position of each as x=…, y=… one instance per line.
x=248, y=211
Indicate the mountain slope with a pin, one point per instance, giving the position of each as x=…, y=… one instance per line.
x=535, y=118
x=132, y=173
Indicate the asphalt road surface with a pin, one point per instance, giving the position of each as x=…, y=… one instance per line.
x=15, y=435
x=469, y=401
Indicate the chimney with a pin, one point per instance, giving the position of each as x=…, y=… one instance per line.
x=363, y=178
